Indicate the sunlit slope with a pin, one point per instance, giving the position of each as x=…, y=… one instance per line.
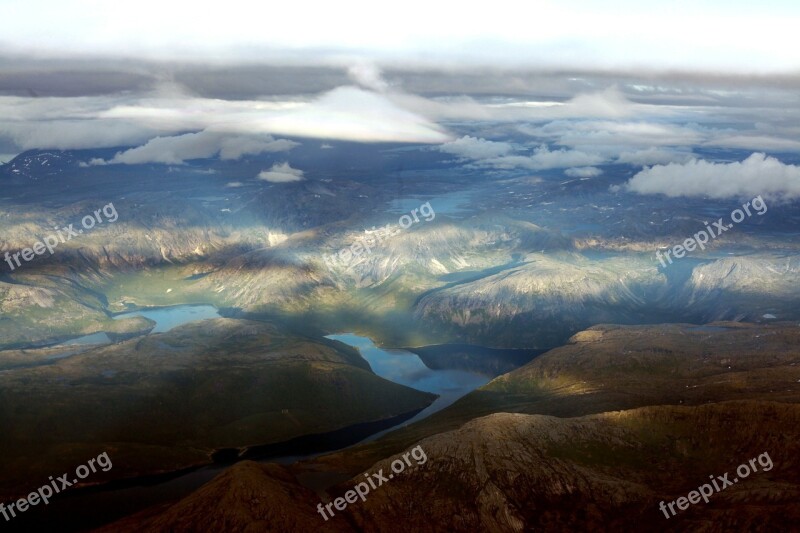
x=609, y=368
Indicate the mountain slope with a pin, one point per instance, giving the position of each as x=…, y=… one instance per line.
x=514, y=472
x=169, y=400
x=249, y=497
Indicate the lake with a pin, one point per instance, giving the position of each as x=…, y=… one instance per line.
x=406, y=368
x=453, y=203
x=166, y=318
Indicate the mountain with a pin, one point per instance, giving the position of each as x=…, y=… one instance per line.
x=166, y=402
x=504, y=265
x=247, y=497
x=612, y=368
x=606, y=472
x=591, y=436
x=36, y=165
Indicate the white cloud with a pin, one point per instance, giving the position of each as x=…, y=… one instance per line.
x=347, y=113
x=756, y=175
x=281, y=173
x=235, y=147
x=178, y=149
x=610, y=136
x=609, y=103
x=368, y=75
x=41, y=132
x=655, y=156
x=583, y=172
x=93, y=162
x=475, y=148
x=351, y=113
x=606, y=104
x=543, y=158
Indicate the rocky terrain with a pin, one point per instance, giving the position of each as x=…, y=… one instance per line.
x=524, y=263
x=588, y=437
x=611, y=368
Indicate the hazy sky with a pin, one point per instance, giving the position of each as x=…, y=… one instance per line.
x=724, y=36
x=498, y=86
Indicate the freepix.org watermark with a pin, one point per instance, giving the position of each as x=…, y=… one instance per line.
x=50, y=242
x=374, y=481
x=374, y=237
x=720, y=483
x=45, y=492
x=712, y=231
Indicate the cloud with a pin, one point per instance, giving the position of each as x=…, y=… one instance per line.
x=236, y=147
x=178, y=149
x=609, y=136
x=164, y=114
x=345, y=113
x=756, y=175
x=757, y=117
x=93, y=162
x=368, y=75
x=543, y=158
x=351, y=113
x=655, y=156
x=757, y=142
x=74, y=134
x=281, y=173
x=583, y=172
x=475, y=148
x=611, y=35
x=608, y=103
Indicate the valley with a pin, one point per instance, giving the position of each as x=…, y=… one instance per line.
x=334, y=267
x=186, y=338
x=594, y=427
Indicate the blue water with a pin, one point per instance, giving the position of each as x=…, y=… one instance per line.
x=406, y=368
x=446, y=204
x=167, y=318
x=94, y=338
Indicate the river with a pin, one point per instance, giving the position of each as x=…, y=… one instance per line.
x=90, y=508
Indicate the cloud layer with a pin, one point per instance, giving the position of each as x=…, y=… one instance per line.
x=756, y=175
x=156, y=121
x=468, y=147
x=579, y=124
x=178, y=149
x=700, y=36
x=544, y=158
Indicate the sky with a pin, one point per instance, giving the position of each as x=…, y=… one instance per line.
x=501, y=86
x=719, y=36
